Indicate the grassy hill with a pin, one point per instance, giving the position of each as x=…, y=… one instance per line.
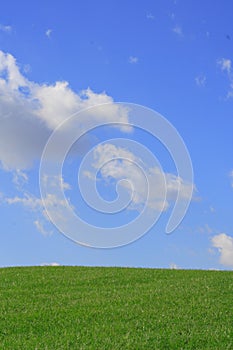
x=115, y=308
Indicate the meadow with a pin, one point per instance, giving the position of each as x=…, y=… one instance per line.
x=101, y=308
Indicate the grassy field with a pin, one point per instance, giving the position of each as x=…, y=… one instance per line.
x=115, y=308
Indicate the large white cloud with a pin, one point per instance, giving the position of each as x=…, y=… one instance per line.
x=224, y=244
x=29, y=112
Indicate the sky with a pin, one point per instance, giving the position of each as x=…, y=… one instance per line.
x=91, y=82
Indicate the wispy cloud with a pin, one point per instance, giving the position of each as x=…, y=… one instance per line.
x=150, y=16
x=224, y=244
x=6, y=29
x=41, y=228
x=133, y=59
x=200, y=80
x=205, y=229
x=36, y=205
x=178, y=30
x=225, y=65
x=50, y=264
x=20, y=178
x=48, y=33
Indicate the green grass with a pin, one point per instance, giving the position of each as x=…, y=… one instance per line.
x=115, y=308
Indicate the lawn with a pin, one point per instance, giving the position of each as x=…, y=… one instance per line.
x=61, y=307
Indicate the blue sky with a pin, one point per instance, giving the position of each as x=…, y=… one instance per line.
x=174, y=57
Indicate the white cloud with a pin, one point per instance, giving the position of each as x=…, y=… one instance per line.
x=205, y=229
x=50, y=264
x=224, y=244
x=133, y=59
x=20, y=178
x=41, y=228
x=200, y=80
x=178, y=30
x=36, y=204
x=56, y=181
x=48, y=33
x=118, y=163
x=28, y=200
x=225, y=64
x=55, y=204
x=6, y=29
x=29, y=112
x=173, y=266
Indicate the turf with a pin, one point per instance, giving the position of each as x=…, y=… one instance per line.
x=115, y=308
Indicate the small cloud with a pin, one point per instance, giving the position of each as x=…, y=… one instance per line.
x=173, y=266
x=56, y=181
x=40, y=227
x=212, y=209
x=20, y=178
x=200, y=80
x=6, y=29
x=90, y=175
x=178, y=30
x=50, y=264
x=205, y=229
x=150, y=16
x=224, y=244
x=225, y=64
x=48, y=33
x=133, y=59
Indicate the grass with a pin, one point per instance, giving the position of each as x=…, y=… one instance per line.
x=115, y=308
